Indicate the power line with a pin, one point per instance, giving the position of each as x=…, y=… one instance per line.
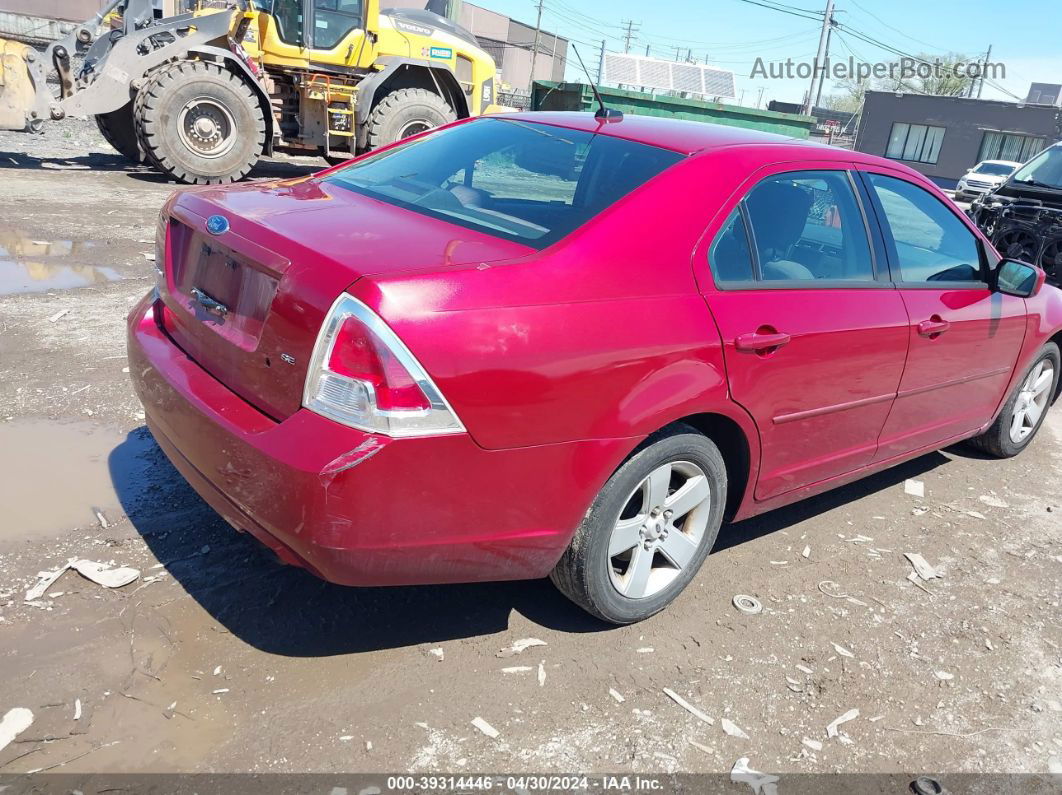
x=794, y=11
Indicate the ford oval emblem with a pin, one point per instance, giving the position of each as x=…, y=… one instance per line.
x=217, y=224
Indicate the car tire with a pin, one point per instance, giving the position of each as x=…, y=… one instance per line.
x=166, y=111
x=677, y=470
x=119, y=130
x=406, y=112
x=1004, y=438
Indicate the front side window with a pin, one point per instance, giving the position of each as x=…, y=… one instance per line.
x=808, y=226
x=527, y=182
x=333, y=20
x=931, y=243
x=287, y=16
x=918, y=143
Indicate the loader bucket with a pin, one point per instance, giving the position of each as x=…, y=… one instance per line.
x=17, y=92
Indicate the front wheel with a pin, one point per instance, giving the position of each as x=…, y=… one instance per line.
x=1025, y=409
x=649, y=529
x=406, y=112
x=200, y=123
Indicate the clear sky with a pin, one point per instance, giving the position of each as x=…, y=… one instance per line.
x=1026, y=35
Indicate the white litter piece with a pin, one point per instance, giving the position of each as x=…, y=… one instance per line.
x=804, y=669
x=220, y=690
x=806, y=553
x=699, y=746
x=645, y=650
x=687, y=706
x=921, y=511
x=616, y=695
x=485, y=727
x=520, y=646
x=831, y=729
x=761, y=783
x=876, y=718
x=976, y=514
x=517, y=669
x=44, y=582
x=732, y=728
x=15, y=722
x=77, y=709
x=922, y=567
x=993, y=501
x=217, y=670
x=814, y=745
x=542, y=673
x=102, y=574
x=101, y=518
x=749, y=605
x=915, y=488
x=1054, y=765
x=943, y=676
x=842, y=650
x=437, y=653
x=99, y=573
x=61, y=313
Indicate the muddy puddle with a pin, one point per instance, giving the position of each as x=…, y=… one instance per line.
x=56, y=476
x=32, y=266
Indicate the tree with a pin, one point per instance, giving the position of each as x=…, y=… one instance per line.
x=951, y=75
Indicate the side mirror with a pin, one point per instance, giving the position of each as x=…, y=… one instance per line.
x=1013, y=277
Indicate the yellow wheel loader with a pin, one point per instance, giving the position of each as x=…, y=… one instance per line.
x=203, y=95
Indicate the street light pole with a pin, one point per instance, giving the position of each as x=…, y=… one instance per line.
x=819, y=67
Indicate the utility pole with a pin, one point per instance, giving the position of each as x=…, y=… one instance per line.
x=759, y=99
x=626, y=36
x=601, y=63
x=534, y=49
x=981, y=82
x=818, y=71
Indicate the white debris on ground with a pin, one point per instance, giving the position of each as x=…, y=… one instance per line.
x=922, y=567
x=485, y=727
x=832, y=729
x=100, y=573
x=914, y=488
x=732, y=728
x=687, y=706
x=14, y=722
x=520, y=646
x=761, y=783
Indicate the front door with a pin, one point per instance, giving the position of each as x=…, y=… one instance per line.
x=964, y=338
x=814, y=337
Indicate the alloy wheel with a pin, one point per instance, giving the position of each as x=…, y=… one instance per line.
x=1032, y=401
x=660, y=529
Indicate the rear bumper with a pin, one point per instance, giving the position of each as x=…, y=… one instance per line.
x=356, y=508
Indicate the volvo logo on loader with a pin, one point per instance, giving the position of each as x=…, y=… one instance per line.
x=217, y=224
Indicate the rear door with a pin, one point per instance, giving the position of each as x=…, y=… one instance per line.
x=815, y=335
x=964, y=337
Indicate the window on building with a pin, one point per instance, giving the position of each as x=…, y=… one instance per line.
x=916, y=142
x=1010, y=146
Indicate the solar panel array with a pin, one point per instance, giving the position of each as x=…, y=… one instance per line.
x=654, y=73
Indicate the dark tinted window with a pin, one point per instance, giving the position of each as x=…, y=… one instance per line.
x=532, y=183
x=808, y=226
x=932, y=244
x=729, y=256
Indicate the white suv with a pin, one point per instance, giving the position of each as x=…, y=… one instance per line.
x=985, y=176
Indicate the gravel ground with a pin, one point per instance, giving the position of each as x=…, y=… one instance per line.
x=217, y=659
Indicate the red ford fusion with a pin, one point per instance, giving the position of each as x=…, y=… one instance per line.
x=553, y=344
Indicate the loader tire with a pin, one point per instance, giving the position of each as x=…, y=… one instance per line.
x=406, y=112
x=200, y=123
x=119, y=130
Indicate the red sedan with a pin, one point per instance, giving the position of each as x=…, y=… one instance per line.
x=551, y=344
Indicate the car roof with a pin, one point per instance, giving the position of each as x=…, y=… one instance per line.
x=694, y=137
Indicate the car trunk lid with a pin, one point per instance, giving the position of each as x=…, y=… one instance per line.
x=245, y=296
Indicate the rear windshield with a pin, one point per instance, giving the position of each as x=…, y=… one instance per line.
x=530, y=183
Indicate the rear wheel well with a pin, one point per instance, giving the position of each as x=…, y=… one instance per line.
x=734, y=446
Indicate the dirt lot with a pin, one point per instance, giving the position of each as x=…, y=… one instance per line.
x=218, y=659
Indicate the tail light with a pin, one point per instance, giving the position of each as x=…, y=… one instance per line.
x=363, y=376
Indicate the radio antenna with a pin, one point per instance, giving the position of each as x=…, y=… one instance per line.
x=603, y=113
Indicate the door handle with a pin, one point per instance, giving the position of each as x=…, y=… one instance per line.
x=933, y=327
x=756, y=342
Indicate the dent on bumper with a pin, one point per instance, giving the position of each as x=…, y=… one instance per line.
x=357, y=508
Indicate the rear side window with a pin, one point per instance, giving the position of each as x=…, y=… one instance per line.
x=806, y=227
x=527, y=182
x=931, y=244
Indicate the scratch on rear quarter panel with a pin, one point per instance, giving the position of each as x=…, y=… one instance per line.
x=360, y=454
